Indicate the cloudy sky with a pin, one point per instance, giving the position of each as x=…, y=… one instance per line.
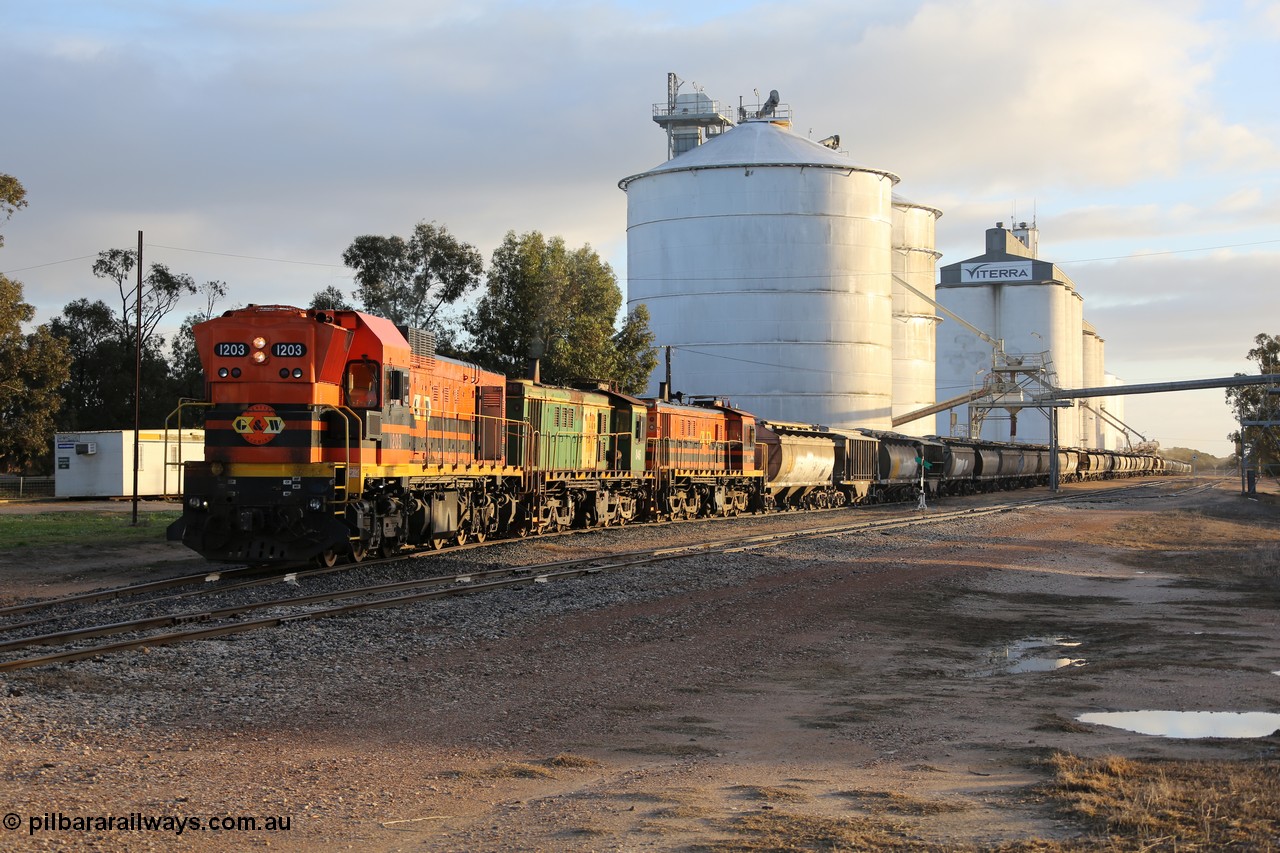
x=251, y=141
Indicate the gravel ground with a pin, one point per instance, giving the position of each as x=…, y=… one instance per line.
x=868, y=675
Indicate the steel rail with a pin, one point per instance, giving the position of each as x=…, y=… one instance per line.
x=294, y=573
x=120, y=591
x=635, y=558
x=537, y=573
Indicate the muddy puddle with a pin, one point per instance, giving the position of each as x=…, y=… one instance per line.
x=1189, y=724
x=1031, y=654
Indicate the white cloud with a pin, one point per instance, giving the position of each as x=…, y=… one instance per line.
x=1091, y=94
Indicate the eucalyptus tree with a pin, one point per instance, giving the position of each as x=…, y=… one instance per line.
x=407, y=281
x=543, y=298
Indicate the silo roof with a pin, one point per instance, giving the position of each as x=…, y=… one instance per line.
x=758, y=143
x=899, y=201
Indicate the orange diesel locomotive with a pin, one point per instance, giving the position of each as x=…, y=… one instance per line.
x=327, y=433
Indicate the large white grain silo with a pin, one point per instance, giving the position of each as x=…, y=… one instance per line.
x=1094, y=377
x=915, y=262
x=765, y=260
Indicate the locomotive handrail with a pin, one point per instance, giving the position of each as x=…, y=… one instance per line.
x=558, y=443
x=480, y=423
x=676, y=452
x=619, y=461
x=346, y=442
x=164, y=476
x=456, y=422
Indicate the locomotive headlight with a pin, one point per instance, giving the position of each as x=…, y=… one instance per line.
x=315, y=504
x=197, y=503
x=297, y=373
x=259, y=343
x=223, y=372
x=259, y=357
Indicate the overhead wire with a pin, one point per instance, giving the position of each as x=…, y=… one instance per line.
x=662, y=278
x=181, y=249
x=758, y=363
x=244, y=257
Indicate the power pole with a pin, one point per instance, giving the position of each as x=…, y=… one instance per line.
x=137, y=384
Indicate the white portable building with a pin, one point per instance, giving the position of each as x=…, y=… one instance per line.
x=99, y=464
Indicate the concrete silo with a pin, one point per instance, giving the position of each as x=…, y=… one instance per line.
x=1094, y=377
x=1034, y=308
x=765, y=261
x=915, y=261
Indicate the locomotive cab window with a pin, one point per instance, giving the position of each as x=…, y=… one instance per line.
x=361, y=384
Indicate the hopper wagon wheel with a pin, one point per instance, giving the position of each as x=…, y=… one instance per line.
x=460, y=538
x=358, y=552
x=327, y=558
x=437, y=543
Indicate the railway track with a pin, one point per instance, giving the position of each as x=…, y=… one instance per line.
x=218, y=622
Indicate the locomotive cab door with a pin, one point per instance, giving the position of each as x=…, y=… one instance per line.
x=741, y=435
x=626, y=440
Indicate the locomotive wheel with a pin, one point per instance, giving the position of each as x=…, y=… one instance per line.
x=326, y=559
x=358, y=552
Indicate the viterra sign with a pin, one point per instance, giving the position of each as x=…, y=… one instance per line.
x=1009, y=271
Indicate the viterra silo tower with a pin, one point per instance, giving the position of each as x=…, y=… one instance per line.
x=765, y=260
x=1033, y=307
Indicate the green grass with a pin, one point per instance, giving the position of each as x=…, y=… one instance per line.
x=88, y=529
